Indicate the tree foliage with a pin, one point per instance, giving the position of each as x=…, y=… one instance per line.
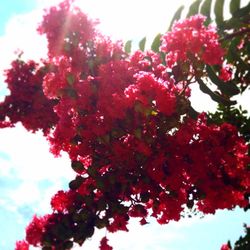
x=137, y=145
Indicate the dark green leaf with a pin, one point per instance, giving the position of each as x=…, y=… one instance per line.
x=176, y=17
x=228, y=88
x=214, y=96
x=89, y=232
x=67, y=245
x=138, y=133
x=193, y=113
x=194, y=8
x=218, y=11
x=247, y=46
x=232, y=23
x=128, y=46
x=100, y=184
x=235, y=57
x=214, y=78
x=234, y=6
x=242, y=11
x=156, y=43
x=145, y=197
x=190, y=204
x=206, y=8
x=76, y=183
x=70, y=79
x=92, y=171
x=231, y=50
x=243, y=66
x=142, y=44
x=71, y=93
x=47, y=248
x=77, y=166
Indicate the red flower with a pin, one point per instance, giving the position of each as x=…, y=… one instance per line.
x=104, y=244
x=22, y=245
x=191, y=41
x=143, y=221
x=27, y=103
x=35, y=230
x=226, y=73
x=67, y=29
x=62, y=200
x=225, y=247
x=119, y=223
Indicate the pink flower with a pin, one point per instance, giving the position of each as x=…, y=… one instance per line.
x=190, y=40
x=35, y=230
x=104, y=244
x=225, y=247
x=226, y=73
x=22, y=245
x=61, y=201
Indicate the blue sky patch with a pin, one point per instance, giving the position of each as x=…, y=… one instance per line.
x=11, y=8
x=4, y=155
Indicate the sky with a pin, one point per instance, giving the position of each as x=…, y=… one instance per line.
x=30, y=175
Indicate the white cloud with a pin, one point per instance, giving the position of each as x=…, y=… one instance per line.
x=147, y=237
x=30, y=163
x=132, y=19
x=21, y=34
x=29, y=154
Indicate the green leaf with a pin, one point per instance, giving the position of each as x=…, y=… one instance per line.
x=101, y=223
x=218, y=11
x=242, y=11
x=241, y=64
x=206, y=9
x=232, y=23
x=233, y=56
x=47, y=248
x=128, y=46
x=194, y=8
x=156, y=43
x=193, y=113
x=138, y=133
x=228, y=88
x=247, y=46
x=67, y=245
x=70, y=79
x=214, y=96
x=100, y=184
x=176, y=16
x=230, y=54
x=92, y=171
x=77, y=166
x=142, y=44
x=145, y=197
x=75, y=184
x=234, y=6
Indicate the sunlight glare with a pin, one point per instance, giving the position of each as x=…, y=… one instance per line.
x=130, y=19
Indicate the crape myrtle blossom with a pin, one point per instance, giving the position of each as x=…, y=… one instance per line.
x=22, y=245
x=191, y=41
x=225, y=247
x=124, y=122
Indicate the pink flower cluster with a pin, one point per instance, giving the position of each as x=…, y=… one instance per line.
x=191, y=41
